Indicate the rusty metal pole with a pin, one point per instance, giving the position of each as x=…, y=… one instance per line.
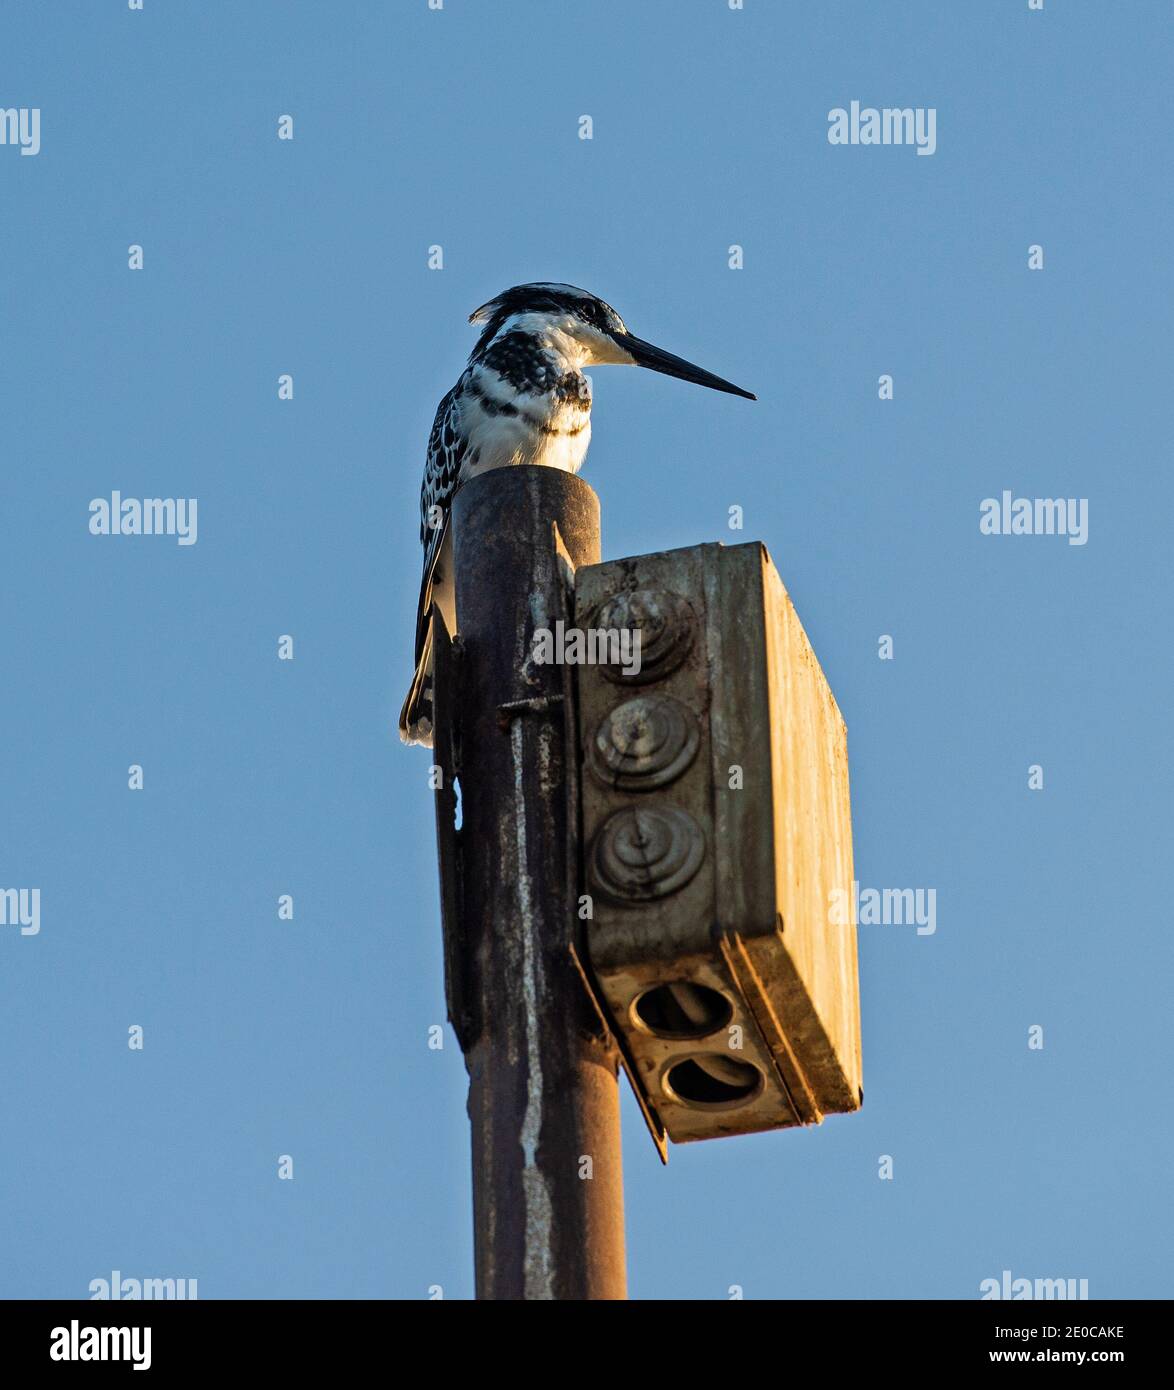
x=543, y=1099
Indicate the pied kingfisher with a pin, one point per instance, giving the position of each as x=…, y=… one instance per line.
x=522, y=398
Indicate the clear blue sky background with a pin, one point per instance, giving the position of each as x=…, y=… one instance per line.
x=459, y=127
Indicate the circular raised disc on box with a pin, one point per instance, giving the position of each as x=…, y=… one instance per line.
x=665, y=622
x=645, y=852
x=644, y=743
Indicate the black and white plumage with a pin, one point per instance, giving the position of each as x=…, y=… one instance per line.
x=522, y=398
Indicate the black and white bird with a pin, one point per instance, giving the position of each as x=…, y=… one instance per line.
x=522, y=398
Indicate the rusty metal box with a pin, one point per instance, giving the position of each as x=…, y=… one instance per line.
x=717, y=833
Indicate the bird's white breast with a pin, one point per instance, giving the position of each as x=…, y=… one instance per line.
x=503, y=427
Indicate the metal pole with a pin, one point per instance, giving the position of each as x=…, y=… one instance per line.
x=543, y=1100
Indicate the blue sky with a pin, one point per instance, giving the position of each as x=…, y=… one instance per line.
x=459, y=128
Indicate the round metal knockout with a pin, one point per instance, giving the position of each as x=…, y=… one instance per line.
x=665, y=623
x=646, y=852
x=645, y=743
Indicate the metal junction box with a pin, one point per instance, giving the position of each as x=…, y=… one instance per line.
x=717, y=843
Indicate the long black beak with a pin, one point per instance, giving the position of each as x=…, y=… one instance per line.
x=646, y=355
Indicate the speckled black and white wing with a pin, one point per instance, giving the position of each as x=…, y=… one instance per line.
x=442, y=471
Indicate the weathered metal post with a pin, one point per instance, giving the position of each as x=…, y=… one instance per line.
x=543, y=1100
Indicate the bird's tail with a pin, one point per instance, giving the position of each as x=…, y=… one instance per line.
x=416, y=717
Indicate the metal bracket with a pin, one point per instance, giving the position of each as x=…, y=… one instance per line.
x=459, y=997
x=578, y=948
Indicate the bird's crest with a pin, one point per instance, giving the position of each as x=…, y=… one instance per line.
x=536, y=297
x=544, y=297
